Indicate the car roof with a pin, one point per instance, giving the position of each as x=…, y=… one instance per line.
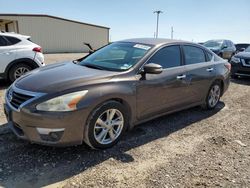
x=10, y=34
x=217, y=40
x=154, y=41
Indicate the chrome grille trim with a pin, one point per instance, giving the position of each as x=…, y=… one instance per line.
x=21, y=97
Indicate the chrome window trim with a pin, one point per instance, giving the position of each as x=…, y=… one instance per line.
x=157, y=50
x=181, y=53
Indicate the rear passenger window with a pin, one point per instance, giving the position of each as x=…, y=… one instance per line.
x=3, y=42
x=167, y=57
x=193, y=55
x=13, y=40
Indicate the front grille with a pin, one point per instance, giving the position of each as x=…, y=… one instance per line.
x=17, y=99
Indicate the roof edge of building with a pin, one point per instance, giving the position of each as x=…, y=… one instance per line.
x=55, y=17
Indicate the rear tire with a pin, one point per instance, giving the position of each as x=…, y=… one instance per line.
x=106, y=125
x=18, y=70
x=213, y=96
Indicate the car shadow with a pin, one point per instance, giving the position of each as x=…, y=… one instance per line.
x=30, y=165
x=4, y=84
x=241, y=80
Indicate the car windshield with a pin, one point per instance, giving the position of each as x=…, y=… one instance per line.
x=213, y=44
x=247, y=49
x=118, y=56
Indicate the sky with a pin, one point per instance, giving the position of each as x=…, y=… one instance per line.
x=192, y=20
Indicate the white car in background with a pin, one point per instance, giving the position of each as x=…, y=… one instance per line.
x=18, y=55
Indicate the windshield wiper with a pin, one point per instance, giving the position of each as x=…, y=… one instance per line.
x=93, y=66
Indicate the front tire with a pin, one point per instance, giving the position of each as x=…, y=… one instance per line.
x=18, y=70
x=213, y=96
x=106, y=125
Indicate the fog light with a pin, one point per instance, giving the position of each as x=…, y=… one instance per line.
x=54, y=135
x=50, y=135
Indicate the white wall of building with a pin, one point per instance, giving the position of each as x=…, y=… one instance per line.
x=58, y=35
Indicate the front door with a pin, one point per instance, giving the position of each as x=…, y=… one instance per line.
x=158, y=93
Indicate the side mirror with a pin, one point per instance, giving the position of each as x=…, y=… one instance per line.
x=152, y=68
x=242, y=49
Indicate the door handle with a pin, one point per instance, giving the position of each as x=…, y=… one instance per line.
x=210, y=69
x=180, y=77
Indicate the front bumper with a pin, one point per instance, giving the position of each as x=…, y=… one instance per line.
x=54, y=129
x=240, y=70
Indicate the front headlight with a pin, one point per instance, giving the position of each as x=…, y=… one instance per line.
x=62, y=103
x=235, y=59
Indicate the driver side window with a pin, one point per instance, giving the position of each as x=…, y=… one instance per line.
x=167, y=57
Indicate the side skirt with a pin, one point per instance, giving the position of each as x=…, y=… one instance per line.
x=167, y=113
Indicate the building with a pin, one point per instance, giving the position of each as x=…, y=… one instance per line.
x=54, y=34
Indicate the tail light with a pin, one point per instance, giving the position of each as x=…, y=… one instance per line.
x=37, y=49
x=228, y=66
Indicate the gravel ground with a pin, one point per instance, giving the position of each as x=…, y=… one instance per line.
x=192, y=148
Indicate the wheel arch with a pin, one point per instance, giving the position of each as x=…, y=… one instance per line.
x=26, y=61
x=220, y=80
x=121, y=101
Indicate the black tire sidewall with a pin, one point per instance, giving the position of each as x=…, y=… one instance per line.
x=13, y=69
x=207, y=99
x=89, y=129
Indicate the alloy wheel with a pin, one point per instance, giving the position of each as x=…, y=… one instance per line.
x=214, y=96
x=108, y=126
x=20, y=72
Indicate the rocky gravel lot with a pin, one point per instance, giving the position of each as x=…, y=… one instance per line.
x=192, y=148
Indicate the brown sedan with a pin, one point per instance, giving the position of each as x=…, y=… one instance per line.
x=113, y=89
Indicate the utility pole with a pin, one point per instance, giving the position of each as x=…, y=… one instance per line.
x=158, y=12
x=172, y=32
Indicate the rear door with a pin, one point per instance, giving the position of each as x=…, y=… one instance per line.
x=7, y=53
x=158, y=93
x=200, y=69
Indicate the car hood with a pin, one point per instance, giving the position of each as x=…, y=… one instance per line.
x=60, y=77
x=243, y=55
